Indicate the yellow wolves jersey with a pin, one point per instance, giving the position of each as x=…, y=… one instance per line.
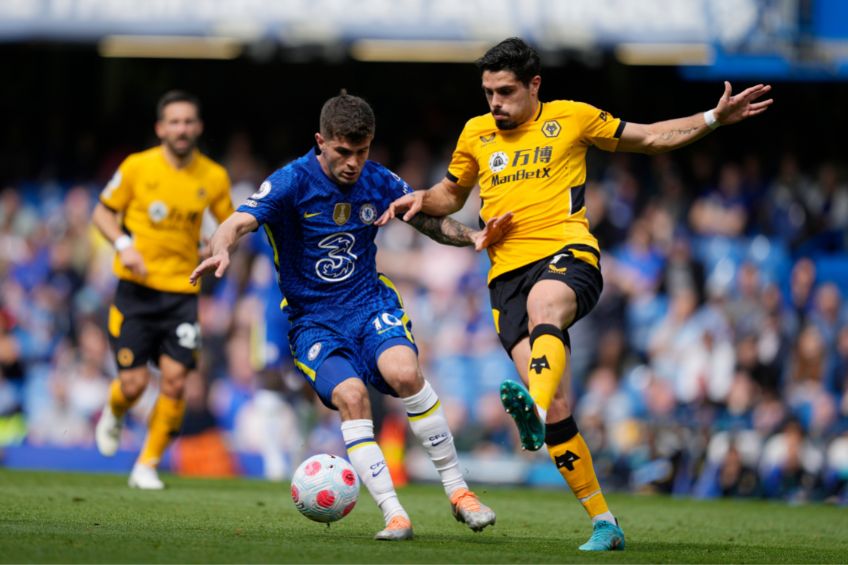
x=537, y=171
x=162, y=210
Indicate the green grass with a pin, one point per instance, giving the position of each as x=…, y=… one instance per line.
x=78, y=518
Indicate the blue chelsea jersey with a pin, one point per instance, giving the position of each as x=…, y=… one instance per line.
x=323, y=234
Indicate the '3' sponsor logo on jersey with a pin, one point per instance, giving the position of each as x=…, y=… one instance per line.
x=340, y=261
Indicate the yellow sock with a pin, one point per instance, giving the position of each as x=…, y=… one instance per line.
x=547, y=363
x=164, y=424
x=117, y=401
x=574, y=461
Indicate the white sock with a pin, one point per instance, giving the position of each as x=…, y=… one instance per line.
x=370, y=464
x=428, y=423
x=605, y=517
x=267, y=404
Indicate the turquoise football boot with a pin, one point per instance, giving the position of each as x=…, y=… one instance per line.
x=606, y=536
x=519, y=404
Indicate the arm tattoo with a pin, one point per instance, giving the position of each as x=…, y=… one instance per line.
x=443, y=230
x=668, y=135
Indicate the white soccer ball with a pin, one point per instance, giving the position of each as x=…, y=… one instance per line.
x=325, y=488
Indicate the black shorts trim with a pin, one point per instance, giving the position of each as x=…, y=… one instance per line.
x=572, y=265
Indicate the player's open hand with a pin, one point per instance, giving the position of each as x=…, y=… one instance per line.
x=494, y=231
x=218, y=263
x=732, y=109
x=408, y=205
x=132, y=260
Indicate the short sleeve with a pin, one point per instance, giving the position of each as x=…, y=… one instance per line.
x=269, y=202
x=116, y=195
x=600, y=128
x=397, y=187
x=463, y=168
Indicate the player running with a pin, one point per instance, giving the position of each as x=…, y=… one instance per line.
x=152, y=211
x=529, y=158
x=349, y=328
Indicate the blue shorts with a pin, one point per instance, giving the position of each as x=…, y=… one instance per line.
x=358, y=336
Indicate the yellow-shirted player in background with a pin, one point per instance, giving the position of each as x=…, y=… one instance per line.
x=529, y=158
x=152, y=211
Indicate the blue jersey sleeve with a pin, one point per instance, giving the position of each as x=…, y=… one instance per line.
x=269, y=202
x=395, y=187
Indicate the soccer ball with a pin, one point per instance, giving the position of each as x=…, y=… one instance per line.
x=325, y=488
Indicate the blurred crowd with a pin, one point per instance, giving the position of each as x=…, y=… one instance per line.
x=715, y=364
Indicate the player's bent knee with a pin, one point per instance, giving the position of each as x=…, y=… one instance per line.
x=405, y=380
x=134, y=381
x=351, y=397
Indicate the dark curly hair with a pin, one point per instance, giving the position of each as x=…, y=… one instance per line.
x=514, y=55
x=347, y=117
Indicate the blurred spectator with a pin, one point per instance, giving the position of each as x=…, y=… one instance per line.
x=790, y=464
x=805, y=390
x=682, y=271
x=724, y=210
x=826, y=204
x=800, y=298
x=788, y=215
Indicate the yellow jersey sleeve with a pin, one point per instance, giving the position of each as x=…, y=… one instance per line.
x=118, y=193
x=464, y=168
x=599, y=128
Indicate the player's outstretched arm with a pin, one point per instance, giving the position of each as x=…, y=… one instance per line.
x=443, y=198
x=668, y=135
x=222, y=243
x=106, y=220
x=450, y=232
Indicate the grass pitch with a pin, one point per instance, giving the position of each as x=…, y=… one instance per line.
x=78, y=518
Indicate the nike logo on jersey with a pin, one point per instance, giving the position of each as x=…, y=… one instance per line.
x=311, y=214
x=377, y=468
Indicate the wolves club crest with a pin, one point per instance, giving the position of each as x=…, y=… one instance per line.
x=539, y=364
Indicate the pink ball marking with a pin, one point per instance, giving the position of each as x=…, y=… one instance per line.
x=325, y=499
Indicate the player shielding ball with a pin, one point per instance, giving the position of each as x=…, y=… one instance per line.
x=529, y=158
x=349, y=328
x=152, y=211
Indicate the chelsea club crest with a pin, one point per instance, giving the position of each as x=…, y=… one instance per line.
x=368, y=213
x=314, y=351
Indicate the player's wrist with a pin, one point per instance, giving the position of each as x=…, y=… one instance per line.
x=710, y=119
x=123, y=242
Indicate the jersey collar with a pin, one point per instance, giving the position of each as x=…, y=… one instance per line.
x=539, y=113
